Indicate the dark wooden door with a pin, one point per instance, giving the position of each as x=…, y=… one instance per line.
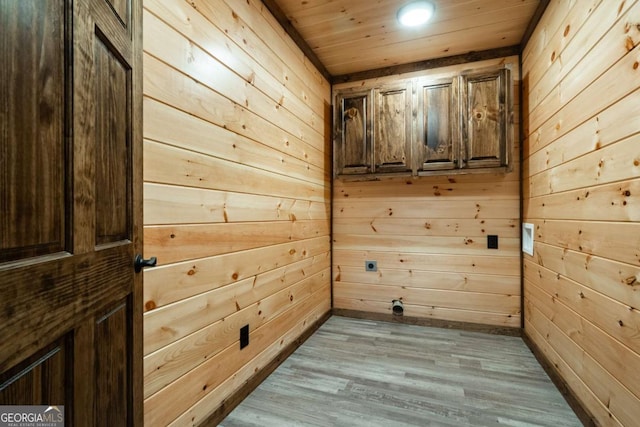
x=70, y=208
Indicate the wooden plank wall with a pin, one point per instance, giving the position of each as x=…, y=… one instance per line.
x=429, y=238
x=237, y=200
x=582, y=193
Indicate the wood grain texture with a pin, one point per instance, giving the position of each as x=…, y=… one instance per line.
x=170, y=46
x=170, y=204
x=429, y=234
x=200, y=412
x=168, y=165
x=167, y=324
x=111, y=361
x=452, y=263
x=460, y=122
x=363, y=373
x=440, y=144
x=573, y=380
x=292, y=68
x=581, y=170
x=173, y=282
x=237, y=209
x=33, y=100
x=282, y=19
x=352, y=134
x=610, y=354
x=113, y=148
x=430, y=322
x=174, y=243
x=487, y=116
x=440, y=70
x=39, y=380
x=167, y=404
x=259, y=376
x=353, y=36
x=272, y=297
x=64, y=340
x=182, y=130
x=123, y=9
x=392, y=123
x=607, y=23
x=205, y=103
x=429, y=64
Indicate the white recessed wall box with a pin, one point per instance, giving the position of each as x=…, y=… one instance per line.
x=527, y=238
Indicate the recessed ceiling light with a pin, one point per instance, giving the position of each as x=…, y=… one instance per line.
x=415, y=13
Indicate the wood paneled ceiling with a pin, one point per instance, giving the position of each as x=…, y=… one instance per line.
x=350, y=36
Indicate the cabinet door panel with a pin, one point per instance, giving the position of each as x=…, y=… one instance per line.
x=392, y=143
x=486, y=118
x=440, y=135
x=353, y=142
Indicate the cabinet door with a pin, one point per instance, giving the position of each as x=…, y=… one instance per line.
x=353, y=141
x=392, y=142
x=439, y=136
x=487, y=112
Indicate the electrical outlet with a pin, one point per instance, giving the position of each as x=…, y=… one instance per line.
x=244, y=336
x=492, y=241
x=371, y=266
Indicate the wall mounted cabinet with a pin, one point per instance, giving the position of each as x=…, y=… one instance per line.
x=423, y=126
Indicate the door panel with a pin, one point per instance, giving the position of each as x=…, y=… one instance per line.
x=112, y=366
x=32, y=107
x=355, y=142
x=440, y=140
x=392, y=144
x=484, y=120
x=45, y=299
x=38, y=380
x=353, y=123
x=113, y=154
x=122, y=10
x=486, y=109
x=72, y=189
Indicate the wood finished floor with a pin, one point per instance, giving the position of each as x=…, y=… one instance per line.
x=354, y=372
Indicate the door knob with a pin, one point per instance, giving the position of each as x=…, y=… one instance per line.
x=139, y=263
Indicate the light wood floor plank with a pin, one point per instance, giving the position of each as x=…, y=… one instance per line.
x=355, y=372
